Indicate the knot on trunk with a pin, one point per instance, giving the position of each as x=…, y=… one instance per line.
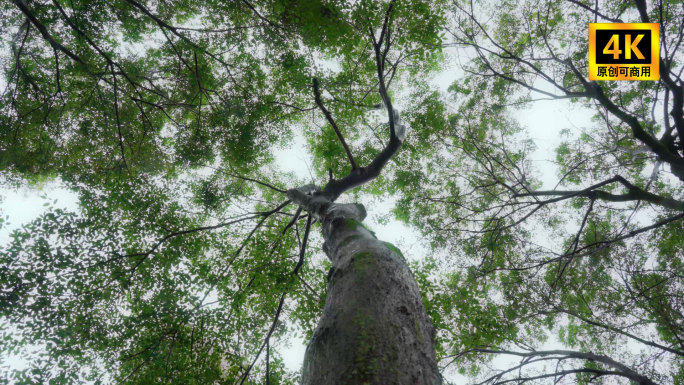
x=322, y=208
x=328, y=213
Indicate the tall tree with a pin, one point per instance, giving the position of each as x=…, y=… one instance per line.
x=188, y=261
x=192, y=258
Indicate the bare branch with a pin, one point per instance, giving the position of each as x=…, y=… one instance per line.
x=621, y=370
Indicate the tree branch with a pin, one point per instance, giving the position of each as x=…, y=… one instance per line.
x=622, y=369
x=362, y=175
x=175, y=31
x=118, y=119
x=328, y=116
x=260, y=16
x=282, y=301
x=266, y=339
x=620, y=331
x=632, y=233
x=596, y=12
x=677, y=111
x=635, y=194
x=595, y=91
x=44, y=32
x=302, y=250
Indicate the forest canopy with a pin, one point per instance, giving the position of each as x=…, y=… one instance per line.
x=186, y=262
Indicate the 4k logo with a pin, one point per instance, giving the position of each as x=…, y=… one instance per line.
x=624, y=51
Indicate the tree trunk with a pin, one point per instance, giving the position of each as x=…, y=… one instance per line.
x=374, y=329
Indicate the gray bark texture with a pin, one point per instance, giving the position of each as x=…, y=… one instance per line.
x=374, y=329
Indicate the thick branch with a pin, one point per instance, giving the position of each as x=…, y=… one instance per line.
x=556, y=375
x=677, y=111
x=365, y=174
x=44, y=32
x=634, y=194
x=380, y=67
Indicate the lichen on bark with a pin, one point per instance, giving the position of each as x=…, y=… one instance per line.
x=374, y=329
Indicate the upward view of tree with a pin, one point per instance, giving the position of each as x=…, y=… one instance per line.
x=193, y=258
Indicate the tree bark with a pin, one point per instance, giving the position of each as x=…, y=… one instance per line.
x=374, y=329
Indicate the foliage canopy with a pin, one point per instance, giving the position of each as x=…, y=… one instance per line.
x=185, y=263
